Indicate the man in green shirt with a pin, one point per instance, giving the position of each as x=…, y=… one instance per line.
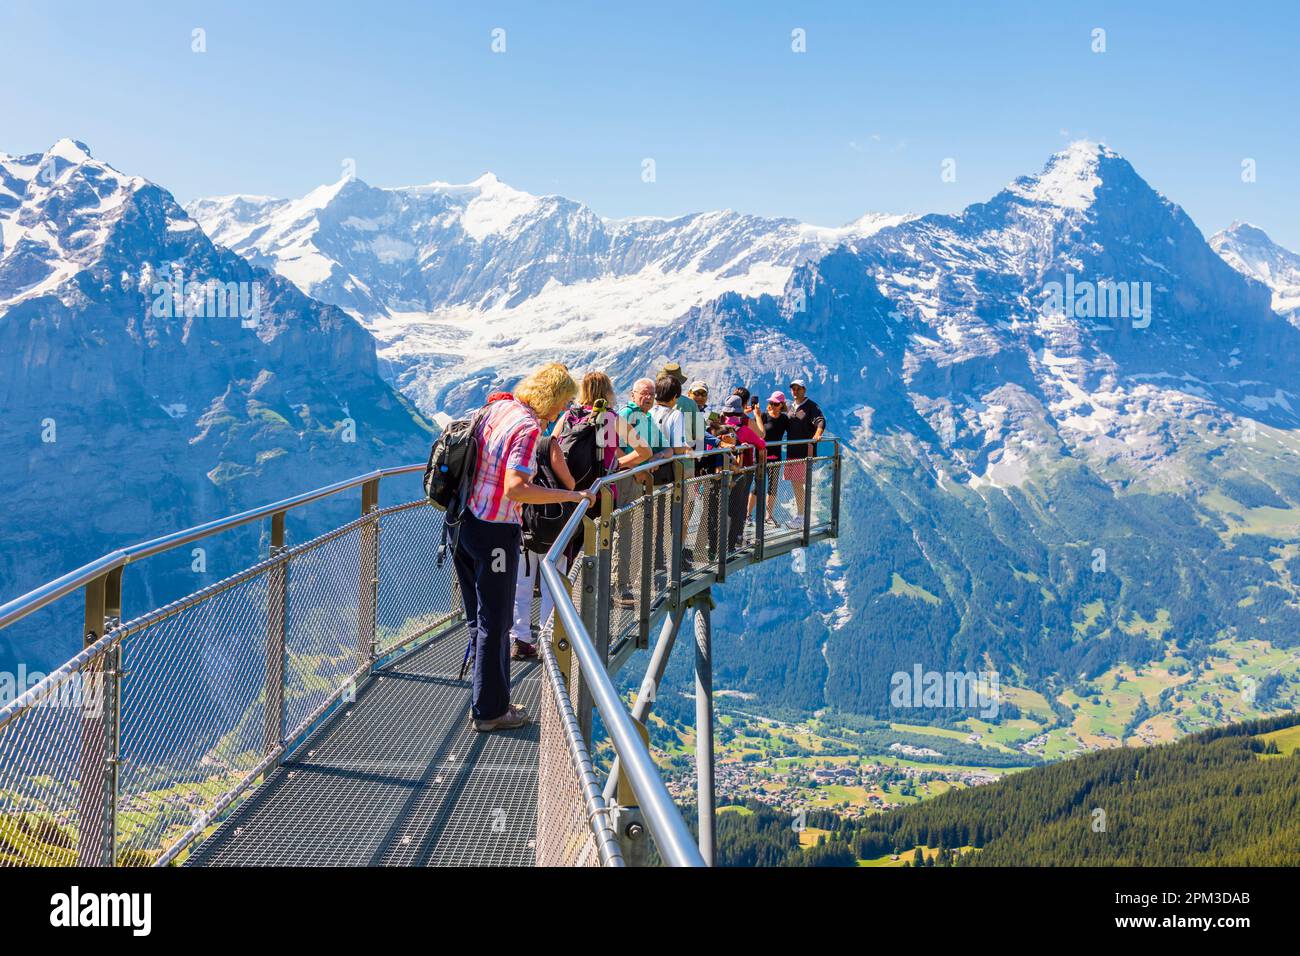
x=635, y=429
x=634, y=421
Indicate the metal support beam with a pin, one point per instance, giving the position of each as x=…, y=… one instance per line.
x=676, y=536
x=760, y=505
x=629, y=825
x=649, y=690
x=704, y=727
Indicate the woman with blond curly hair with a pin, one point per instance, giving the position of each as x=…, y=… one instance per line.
x=490, y=538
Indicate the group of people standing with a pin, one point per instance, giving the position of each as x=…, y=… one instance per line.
x=541, y=448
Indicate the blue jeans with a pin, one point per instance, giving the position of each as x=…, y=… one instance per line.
x=487, y=566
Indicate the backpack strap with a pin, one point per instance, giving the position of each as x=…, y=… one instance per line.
x=460, y=502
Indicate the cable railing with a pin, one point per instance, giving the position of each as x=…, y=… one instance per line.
x=137, y=748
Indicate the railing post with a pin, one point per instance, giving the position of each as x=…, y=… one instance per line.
x=835, y=493
x=100, y=728
x=676, y=536
x=648, y=546
x=724, y=515
x=760, y=503
x=277, y=605
x=808, y=496
x=704, y=724
x=591, y=587
x=366, y=605
x=604, y=566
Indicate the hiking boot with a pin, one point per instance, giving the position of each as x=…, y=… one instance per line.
x=523, y=651
x=514, y=718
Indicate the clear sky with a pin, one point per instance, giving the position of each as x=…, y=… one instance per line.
x=711, y=91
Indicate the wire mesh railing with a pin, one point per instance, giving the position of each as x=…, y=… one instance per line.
x=573, y=820
x=136, y=747
x=646, y=551
x=417, y=594
x=193, y=711
x=55, y=729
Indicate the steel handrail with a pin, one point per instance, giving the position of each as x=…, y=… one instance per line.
x=20, y=607
x=672, y=836
x=51, y=591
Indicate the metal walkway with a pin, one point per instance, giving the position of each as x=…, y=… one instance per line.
x=397, y=778
x=306, y=710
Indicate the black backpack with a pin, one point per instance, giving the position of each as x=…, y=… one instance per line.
x=452, y=461
x=580, y=445
x=543, y=523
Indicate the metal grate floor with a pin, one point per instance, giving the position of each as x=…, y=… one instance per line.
x=398, y=778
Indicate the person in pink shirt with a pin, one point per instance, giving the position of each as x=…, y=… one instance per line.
x=741, y=503
x=490, y=537
x=733, y=414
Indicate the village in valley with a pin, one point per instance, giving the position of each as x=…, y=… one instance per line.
x=799, y=767
x=855, y=767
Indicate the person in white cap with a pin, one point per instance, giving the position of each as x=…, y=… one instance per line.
x=699, y=393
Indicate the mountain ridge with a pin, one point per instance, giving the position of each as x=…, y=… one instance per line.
x=999, y=430
x=1001, y=450
x=466, y=285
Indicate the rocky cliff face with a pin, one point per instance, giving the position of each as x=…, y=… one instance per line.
x=1071, y=421
x=1250, y=251
x=150, y=380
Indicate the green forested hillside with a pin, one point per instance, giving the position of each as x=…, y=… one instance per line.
x=1226, y=797
x=1050, y=582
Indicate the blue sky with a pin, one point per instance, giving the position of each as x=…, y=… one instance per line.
x=712, y=92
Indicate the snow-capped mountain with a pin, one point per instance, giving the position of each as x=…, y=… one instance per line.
x=467, y=285
x=150, y=380
x=1073, y=283
x=1028, y=440
x=1250, y=251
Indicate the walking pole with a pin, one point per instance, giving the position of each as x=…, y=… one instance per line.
x=469, y=652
